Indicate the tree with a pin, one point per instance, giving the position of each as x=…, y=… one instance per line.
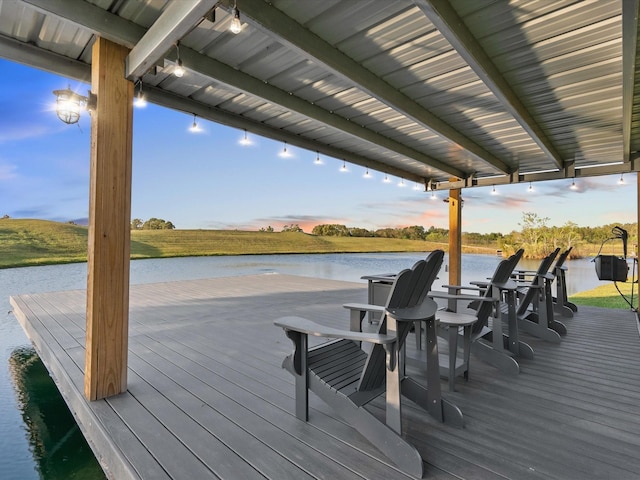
x=331, y=230
x=294, y=227
x=136, y=224
x=157, y=224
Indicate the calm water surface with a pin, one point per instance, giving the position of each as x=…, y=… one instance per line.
x=40, y=439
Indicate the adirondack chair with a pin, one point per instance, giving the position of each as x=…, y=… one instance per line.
x=347, y=378
x=508, y=306
x=561, y=303
x=535, y=306
x=485, y=337
x=359, y=310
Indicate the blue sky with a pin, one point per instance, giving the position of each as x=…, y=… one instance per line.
x=208, y=180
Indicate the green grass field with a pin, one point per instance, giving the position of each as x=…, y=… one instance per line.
x=42, y=242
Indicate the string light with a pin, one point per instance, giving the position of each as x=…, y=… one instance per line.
x=194, y=128
x=530, y=187
x=318, y=160
x=367, y=174
x=493, y=192
x=401, y=183
x=621, y=181
x=573, y=185
x=178, y=70
x=343, y=168
x=245, y=140
x=284, y=153
x=386, y=179
x=140, y=101
x=236, y=25
x=433, y=195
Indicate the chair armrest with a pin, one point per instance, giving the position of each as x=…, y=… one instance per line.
x=448, y=296
x=508, y=285
x=525, y=272
x=461, y=287
x=308, y=327
x=364, y=307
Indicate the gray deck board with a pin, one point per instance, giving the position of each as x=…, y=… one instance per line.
x=208, y=398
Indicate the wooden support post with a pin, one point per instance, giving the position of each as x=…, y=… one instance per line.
x=455, y=240
x=109, y=224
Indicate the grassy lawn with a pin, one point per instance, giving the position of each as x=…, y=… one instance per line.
x=41, y=242
x=606, y=296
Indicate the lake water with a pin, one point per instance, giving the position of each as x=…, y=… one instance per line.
x=39, y=437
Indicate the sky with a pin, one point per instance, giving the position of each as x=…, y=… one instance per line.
x=208, y=180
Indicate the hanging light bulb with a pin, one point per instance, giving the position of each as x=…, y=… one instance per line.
x=140, y=101
x=386, y=179
x=433, y=195
x=284, y=153
x=530, y=187
x=401, y=183
x=367, y=174
x=178, y=70
x=194, y=128
x=621, y=181
x=318, y=160
x=573, y=185
x=493, y=192
x=245, y=140
x=236, y=25
x=416, y=187
x=343, y=168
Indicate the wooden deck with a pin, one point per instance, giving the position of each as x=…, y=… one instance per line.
x=207, y=397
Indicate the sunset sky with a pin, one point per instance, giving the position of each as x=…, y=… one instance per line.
x=209, y=180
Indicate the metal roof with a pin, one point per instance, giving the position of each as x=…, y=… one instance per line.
x=445, y=93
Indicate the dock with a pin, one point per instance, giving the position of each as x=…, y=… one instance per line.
x=207, y=397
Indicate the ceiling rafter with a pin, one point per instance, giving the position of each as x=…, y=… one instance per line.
x=108, y=25
x=453, y=29
x=276, y=24
x=629, y=52
x=174, y=23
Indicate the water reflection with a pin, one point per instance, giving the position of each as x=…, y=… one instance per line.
x=59, y=449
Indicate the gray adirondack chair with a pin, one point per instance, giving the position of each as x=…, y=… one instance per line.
x=347, y=378
x=561, y=303
x=535, y=303
x=485, y=337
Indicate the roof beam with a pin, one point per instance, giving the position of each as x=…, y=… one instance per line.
x=629, y=52
x=451, y=27
x=36, y=57
x=97, y=20
x=110, y=26
x=276, y=24
x=174, y=23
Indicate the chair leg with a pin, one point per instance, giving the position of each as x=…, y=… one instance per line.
x=296, y=363
x=453, y=353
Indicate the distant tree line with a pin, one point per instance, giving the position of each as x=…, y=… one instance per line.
x=415, y=232
x=535, y=236
x=151, y=224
